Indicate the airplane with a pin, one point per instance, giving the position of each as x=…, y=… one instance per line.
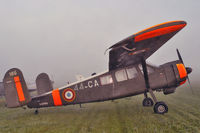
x=128, y=75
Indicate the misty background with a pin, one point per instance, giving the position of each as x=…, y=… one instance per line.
x=68, y=37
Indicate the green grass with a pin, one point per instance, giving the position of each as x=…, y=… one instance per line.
x=121, y=116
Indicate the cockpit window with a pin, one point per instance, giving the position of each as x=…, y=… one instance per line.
x=121, y=75
x=149, y=69
x=106, y=80
x=132, y=72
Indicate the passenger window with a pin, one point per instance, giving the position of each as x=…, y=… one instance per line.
x=121, y=75
x=132, y=72
x=149, y=69
x=106, y=80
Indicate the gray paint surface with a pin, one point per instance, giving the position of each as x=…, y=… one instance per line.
x=92, y=89
x=12, y=92
x=43, y=83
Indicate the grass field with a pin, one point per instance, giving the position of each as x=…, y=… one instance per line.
x=121, y=116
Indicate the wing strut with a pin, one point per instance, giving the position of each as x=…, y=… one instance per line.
x=146, y=78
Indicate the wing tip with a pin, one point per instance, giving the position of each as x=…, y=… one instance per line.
x=162, y=25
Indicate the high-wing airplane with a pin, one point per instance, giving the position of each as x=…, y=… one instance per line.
x=128, y=75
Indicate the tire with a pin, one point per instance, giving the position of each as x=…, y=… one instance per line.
x=147, y=102
x=160, y=108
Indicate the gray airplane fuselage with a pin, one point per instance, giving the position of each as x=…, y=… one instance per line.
x=119, y=83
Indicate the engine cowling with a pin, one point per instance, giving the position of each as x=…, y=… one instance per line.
x=175, y=73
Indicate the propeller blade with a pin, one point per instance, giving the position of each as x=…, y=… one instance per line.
x=190, y=85
x=179, y=56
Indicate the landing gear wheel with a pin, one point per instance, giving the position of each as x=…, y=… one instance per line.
x=36, y=112
x=147, y=102
x=160, y=108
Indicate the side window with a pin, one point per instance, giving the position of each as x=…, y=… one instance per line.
x=132, y=72
x=121, y=75
x=106, y=80
x=149, y=69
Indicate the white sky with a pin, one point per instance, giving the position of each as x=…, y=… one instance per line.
x=69, y=37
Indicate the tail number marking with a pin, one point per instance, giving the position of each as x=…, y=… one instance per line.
x=89, y=84
x=13, y=73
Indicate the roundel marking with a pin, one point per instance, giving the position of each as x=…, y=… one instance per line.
x=69, y=95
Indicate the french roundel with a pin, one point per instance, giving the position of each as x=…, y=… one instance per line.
x=69, y=95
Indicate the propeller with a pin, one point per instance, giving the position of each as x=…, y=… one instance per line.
x=188, y=69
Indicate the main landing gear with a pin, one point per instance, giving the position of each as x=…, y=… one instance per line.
x=159, y=107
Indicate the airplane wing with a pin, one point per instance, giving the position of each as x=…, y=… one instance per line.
x=142, y=44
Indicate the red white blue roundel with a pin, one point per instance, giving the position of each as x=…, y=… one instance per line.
x=69, y=95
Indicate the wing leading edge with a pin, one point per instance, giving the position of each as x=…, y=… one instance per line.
x=142, y=44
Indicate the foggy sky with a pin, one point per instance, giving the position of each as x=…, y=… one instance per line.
x=68, y=37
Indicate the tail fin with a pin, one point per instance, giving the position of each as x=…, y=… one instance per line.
x=15, y=88
x=43, y=83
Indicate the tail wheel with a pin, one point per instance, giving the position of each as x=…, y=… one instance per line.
x=147, y=102
x=160, y=108
x=36, y=112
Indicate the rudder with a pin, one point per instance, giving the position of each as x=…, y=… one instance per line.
x=16, y=92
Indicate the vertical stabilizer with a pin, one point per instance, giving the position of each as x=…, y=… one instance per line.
x=43, y=83
x=16, y=92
